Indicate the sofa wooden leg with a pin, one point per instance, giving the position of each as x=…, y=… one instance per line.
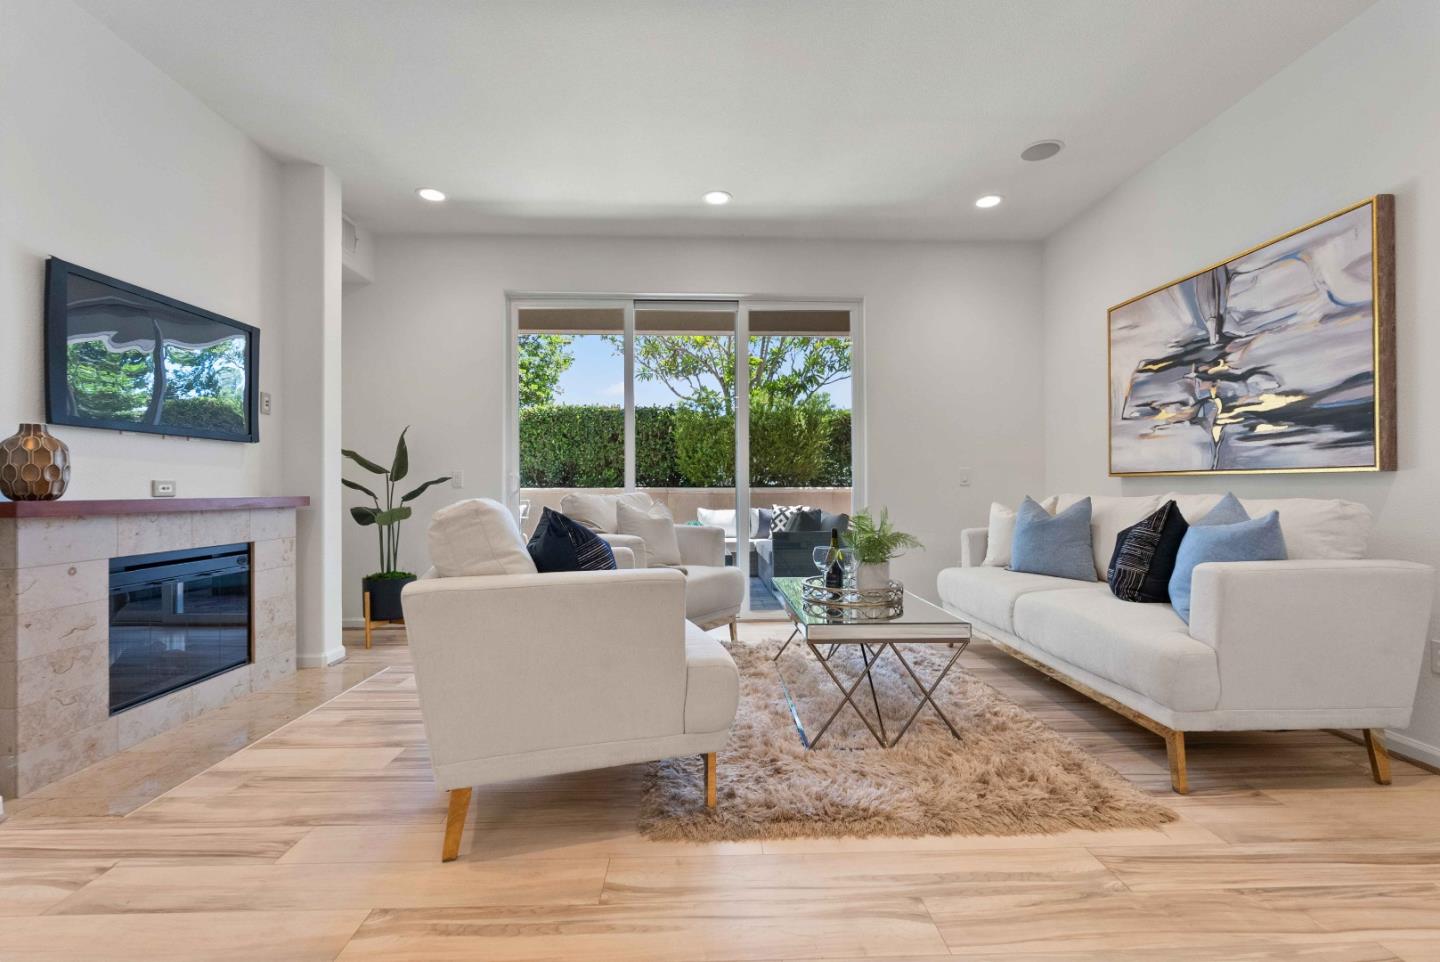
x=734, y=632
x=710, y=780
x=1175, y=751
x=455, y=823
x=1379, y=757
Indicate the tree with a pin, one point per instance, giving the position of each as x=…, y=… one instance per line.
x=543, y=359
x=699, y=369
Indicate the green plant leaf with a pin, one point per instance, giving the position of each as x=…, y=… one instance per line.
x=364, y=462
x=393, y=515
x=359, y=487
x=421, y=490
x=401, y=467
x=365, y=516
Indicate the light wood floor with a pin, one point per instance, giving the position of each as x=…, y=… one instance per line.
x=322, y=841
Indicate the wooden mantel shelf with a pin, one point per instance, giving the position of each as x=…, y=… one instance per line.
x=91, y=509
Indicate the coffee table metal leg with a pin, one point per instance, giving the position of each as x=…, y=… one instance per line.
x=870, y=658
x=846, y=694
x=793, y=632
x=927, y=693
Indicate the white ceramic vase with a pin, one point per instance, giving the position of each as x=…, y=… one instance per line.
x=872, y=577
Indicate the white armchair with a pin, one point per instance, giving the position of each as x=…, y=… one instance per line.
x=524, y=674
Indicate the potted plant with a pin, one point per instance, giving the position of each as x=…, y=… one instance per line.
x=386, y=584
x=875, y=542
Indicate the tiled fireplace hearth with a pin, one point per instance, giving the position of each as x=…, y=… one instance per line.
x=56, y=655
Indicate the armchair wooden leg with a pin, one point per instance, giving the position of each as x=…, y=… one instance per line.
x=367, y=619
x=455, y=823
x=1379, y=757
x=710, y=780
x=734, y=632
x=1175, y=750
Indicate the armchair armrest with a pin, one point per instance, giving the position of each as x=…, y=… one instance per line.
x=624, y=557
x=634, y=542
x=511, y=664
x=701, y=544
x=1314, y=634
x=973, y=543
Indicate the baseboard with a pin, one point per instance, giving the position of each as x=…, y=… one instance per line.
x=1411, y=750
x=325, y=659
x=352, y=622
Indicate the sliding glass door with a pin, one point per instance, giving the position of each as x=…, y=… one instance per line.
x=634, y=393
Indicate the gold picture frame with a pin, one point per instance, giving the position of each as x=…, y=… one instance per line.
x=1254, y=420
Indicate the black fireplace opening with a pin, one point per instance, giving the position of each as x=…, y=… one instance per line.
x=176, y=618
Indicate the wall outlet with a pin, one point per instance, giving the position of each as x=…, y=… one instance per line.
x=162, y=489
x=962, y=477
x=457, y=479
x=264, y=402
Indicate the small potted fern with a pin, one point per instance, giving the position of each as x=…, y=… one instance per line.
x=875, y=542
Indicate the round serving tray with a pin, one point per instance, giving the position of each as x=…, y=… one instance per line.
x=886, y=602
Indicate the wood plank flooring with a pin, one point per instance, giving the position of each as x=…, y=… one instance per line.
x=287, y=826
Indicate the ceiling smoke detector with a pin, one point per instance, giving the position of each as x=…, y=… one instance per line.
x=1042, y=150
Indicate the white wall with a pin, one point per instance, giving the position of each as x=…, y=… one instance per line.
x=1355, y=116
x=107, y=162
x=951, y=354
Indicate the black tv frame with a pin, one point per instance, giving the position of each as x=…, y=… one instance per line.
x=57, y=274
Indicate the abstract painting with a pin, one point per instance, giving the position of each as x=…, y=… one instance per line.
x=1280, y=359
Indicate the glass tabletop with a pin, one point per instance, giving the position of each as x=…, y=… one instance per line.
x=918, y=617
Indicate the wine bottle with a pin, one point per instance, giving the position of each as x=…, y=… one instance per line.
x=834, y=571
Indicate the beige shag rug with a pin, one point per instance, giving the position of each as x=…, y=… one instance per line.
x=1008, y=775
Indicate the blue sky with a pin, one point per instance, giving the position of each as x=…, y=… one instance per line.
x=598, y=377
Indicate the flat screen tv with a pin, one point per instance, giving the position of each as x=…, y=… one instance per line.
x=118, y=356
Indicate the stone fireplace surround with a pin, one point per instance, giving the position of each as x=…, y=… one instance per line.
x=54, y=621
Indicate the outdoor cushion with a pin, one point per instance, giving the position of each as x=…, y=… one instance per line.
x=989, y=594
x=1145, y=648
x=477, y=537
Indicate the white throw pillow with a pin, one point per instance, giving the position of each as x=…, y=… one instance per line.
x=1002, y=532
x=597, y=511
x=722, y=518
x=656, y=528
x=1110, y=515
x=477, y=537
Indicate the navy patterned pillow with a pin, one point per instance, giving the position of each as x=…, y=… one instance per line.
x=560, y=544
x=1144, y=557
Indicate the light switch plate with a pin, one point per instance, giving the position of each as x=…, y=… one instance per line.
x=962, y=477
x=162, y=489
x=264, y=402
x=457, y=479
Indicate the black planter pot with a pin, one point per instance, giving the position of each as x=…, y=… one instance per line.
x=385, y=597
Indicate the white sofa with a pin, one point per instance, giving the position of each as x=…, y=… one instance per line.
x=522, y=674
x=714, y=591
x=1327, y=639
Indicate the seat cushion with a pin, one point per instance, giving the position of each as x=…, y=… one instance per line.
x=989, y=594
x=1145, y=648
x=712, y=683
x=712, y=592
x=477, y=537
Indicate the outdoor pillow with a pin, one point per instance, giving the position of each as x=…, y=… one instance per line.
x=1001, y=532
x=794, y=517
x=1259, y=539
x=834, y=522
x=656, y=527
x=1144, y=557
x=1056, y=545
x=1228, y=511
x=561, y=544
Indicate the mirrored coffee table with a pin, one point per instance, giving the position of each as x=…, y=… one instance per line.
x=826, y=631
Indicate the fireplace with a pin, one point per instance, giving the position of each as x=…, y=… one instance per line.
x=176, y=618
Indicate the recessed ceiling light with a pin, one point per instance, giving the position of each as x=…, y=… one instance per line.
x=717, y=198
x=989, y=200
x=1042, y=150
x=431, y=194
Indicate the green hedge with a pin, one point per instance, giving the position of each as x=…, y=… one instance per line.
x=583, y=446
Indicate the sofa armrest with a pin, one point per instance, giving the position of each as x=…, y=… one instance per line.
x=634, y=542
x=624, y=557
x=1314, y=634
x=701, y=544
x=512, y=664
x=973, y=542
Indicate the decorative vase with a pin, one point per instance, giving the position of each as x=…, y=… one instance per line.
x=34, y=465
x=872, y=577
x=385, y=597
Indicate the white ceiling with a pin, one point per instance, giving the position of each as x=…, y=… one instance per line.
x=825, y=118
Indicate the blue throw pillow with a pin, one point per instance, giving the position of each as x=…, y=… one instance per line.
x=1252, y=540
x=1228, y=511
x=560, y=544
x=1056, y=545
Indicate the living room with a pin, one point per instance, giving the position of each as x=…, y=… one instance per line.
x=1036, y=285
